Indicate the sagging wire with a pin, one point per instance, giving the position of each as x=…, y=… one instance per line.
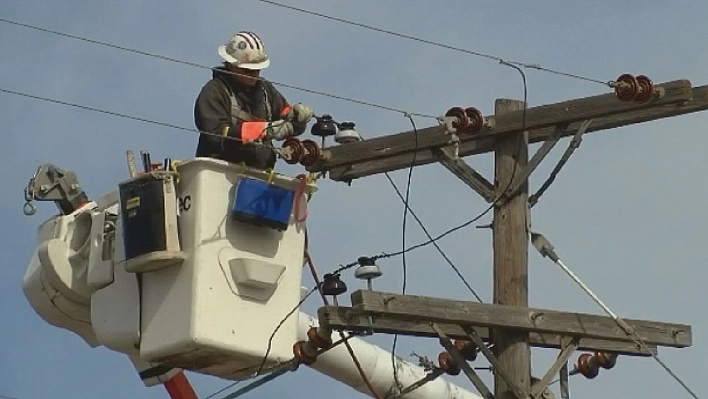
x=270, y=342
x=280, y=324
x=442, y=45
x=432, y=240
x=197, y=65
x=403, y=245
x=434, y=243
x=546, y=249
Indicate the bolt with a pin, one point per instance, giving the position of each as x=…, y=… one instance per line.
x=536, y=315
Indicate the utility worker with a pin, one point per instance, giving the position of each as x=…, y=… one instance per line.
x=240, y=113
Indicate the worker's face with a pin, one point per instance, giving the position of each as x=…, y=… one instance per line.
x=247, y=77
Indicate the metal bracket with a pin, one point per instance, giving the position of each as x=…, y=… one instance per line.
x=563, y=378
x=560, y=362
x=498, y=368
x=462, y=363
x=466, y=173
x=447, y=122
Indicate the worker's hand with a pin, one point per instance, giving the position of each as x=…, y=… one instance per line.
x=279, y=130
x=298, y=114
x=302, y=112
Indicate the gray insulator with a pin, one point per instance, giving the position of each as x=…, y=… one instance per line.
x=347, y=134
x=367, y=272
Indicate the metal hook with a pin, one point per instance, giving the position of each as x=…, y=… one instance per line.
x=29, y=209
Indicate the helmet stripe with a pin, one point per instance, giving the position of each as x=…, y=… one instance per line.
x=246, y=38
x=259, y=42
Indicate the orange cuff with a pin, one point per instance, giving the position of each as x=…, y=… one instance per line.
x=285, y=111
x=252, y=131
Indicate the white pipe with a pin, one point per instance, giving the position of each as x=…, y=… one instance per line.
x=376, y=363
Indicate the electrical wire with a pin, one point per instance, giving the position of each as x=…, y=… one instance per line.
x=103, y=111
x=280, y=324
x=438, y=44
x=344, y=339
x=406, y=200
x=270, y=341
x=496, y=202
x=213, y=394
x=536, y=66
x=434, y=243
x=194, y=64
x=294, y=364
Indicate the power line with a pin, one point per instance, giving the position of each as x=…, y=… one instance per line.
x=438, y=44
x=434, y=243
x=197, y=65
x=403, y=245
x=103, y=111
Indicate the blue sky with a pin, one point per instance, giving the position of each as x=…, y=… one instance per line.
x=626, y=213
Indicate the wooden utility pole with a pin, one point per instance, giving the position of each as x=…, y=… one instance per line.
x=509, y=324
x=510, y=242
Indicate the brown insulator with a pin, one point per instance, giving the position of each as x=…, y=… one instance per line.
x=476, y=120
x=311, y=153
x=645, y=89
x=467, y=349
x=462, y=119
x=606, y=360
x=292, y=150
x=301, y=354
x=314, y=336
x=587, y=366
x=627, y=87
x=447, y=364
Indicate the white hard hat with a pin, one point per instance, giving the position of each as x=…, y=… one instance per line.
x=245, y=50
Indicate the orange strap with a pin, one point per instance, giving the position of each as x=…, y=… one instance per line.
x=298, y=197
x=252, y=131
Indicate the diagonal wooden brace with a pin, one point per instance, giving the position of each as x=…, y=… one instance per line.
x=574, y=144
x=462, y=363
x=465, y=172
x=498, y=368
x=561, y=361
x=536, y=160
x=541, y=153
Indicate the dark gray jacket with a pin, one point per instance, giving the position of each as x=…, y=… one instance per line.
x=213, y=112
